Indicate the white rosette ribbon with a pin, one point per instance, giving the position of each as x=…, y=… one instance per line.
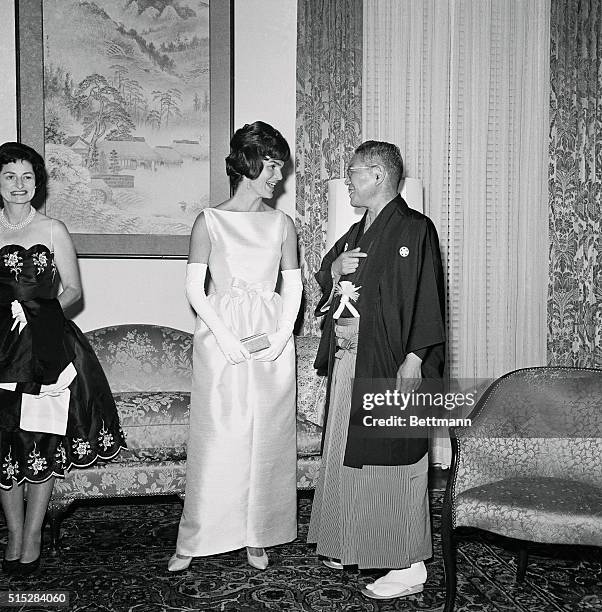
x=18, y=316
x=349, y=293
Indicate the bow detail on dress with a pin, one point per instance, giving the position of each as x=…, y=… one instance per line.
x=263, y=287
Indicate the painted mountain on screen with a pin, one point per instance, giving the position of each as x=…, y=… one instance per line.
x=126, y=91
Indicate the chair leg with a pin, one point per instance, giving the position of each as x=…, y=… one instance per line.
x=523, y=559
x=56, y=510
x=448, y=544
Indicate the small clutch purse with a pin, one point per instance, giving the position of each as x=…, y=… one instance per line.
x=255, y=343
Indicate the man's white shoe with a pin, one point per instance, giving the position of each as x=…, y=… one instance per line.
x=332, y=564
x=391, y=590
x=400, y=582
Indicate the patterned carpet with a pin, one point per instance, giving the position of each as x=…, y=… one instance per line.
x=114, y=557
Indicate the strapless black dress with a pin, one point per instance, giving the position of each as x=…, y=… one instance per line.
x=36, y=357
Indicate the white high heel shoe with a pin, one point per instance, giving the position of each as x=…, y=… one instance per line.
x=178, y=564
x=260, y=562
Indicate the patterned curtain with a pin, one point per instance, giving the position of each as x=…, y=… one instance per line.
x=329, y=114
x=575, y=290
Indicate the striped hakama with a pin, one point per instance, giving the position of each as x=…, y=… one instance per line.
x=376, y=516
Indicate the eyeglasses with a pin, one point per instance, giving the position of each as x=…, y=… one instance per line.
x=351, y=169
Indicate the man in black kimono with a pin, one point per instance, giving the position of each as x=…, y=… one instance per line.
x=371, y=503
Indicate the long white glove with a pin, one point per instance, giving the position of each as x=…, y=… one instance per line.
x=18, y=316
x=290, y=292
x=231, y=347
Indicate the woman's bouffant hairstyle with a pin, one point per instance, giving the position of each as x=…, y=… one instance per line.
x=11, y=152
x=250, y=145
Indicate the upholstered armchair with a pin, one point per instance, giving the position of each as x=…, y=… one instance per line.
x=530, y=465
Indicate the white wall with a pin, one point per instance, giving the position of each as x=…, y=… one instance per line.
x=8, y=105
x=265, y=59
x=134, y=291
x=150, y=290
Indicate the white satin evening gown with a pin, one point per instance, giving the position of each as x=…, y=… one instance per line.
x=241, y=458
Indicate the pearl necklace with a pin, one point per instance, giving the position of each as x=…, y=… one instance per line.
x=17, y=226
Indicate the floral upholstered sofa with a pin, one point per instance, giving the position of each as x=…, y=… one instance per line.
x=149, y=370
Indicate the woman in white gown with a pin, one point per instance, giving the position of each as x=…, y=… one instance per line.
x=241, y=459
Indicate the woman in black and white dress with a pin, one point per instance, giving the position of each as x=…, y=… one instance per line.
x=57, y=408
